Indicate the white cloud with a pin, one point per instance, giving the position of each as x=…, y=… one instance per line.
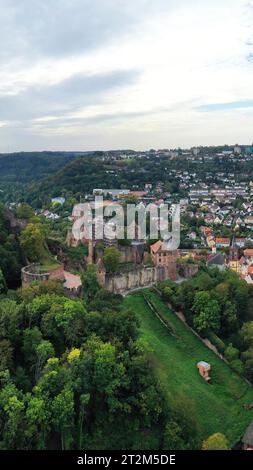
x=175, y=57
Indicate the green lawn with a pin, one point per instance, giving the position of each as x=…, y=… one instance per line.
x=218, y=406
x=49, y=264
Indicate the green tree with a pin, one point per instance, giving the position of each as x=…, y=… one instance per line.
x=172, y=438
x=24, y=211
x=90, y=283
x=231, y=353
x=33, y=242
x=63, y=416
x=206, y=312
x=228, y=318
x=216, y=442
x=111, y=259
x=247, y=357
x=38, y=416
x=11, y=414
x=6, y=354
x=43, y=351
x=3, y=287
x=247, y=334
x=84, y=401
x=32, y=337
x=9, y=320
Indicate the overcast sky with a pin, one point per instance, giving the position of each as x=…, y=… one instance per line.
x=109, y=74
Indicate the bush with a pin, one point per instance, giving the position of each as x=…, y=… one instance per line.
x=231, y=353
x=216, y=442
x=237, y=366
x=217, y=342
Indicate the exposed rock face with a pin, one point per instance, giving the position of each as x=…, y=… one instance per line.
x=188, y=270
x=16, y=224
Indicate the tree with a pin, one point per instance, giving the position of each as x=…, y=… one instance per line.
x=28, y=293
x=24, y=211
x=9, y=320
x=6, y=354
x=84, y=401
x=105, y=300
x=3, y=287
x=247, y=357
x=111, y=259
x=63, y=416
x=216, y=442
x=38, y=415
x=172, y=438
x=228, y=318
x=70, y=318
x=44, y=351
x=41, y=305
x=231, y=353
x=247, y=334
x=90, y=283
x=206, y=312
x=33, y=242
x=32, y=337
x=11, y=413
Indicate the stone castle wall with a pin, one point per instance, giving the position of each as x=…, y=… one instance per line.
x=139, y=277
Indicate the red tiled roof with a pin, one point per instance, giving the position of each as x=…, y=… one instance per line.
x=72, y=281
x=248, y=252
x=156, y=246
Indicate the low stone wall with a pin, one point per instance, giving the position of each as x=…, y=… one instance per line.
x=32, y=273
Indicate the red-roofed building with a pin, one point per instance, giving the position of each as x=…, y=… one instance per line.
x=248, y=252
x=250, y=270
x=222, y=242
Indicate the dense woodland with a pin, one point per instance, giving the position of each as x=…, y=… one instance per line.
x=74, y=374
x=10, y=253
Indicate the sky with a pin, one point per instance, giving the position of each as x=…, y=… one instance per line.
x=121, y=74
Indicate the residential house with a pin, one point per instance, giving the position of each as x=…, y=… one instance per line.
x=222, y=242
x=240, y=242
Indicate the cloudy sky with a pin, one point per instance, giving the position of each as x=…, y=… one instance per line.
x=109, y=74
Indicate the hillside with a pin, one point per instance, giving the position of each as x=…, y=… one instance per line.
x=86, y=173
x=25, y=167
x=10, y=252
x=217, y=407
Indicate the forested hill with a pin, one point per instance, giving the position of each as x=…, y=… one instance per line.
x=10, y=253
x=26, y=166
x=86, y=173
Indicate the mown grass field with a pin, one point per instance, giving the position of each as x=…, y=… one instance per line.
x=218, y=407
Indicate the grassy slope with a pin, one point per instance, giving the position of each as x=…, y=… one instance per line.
x=218, y=407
